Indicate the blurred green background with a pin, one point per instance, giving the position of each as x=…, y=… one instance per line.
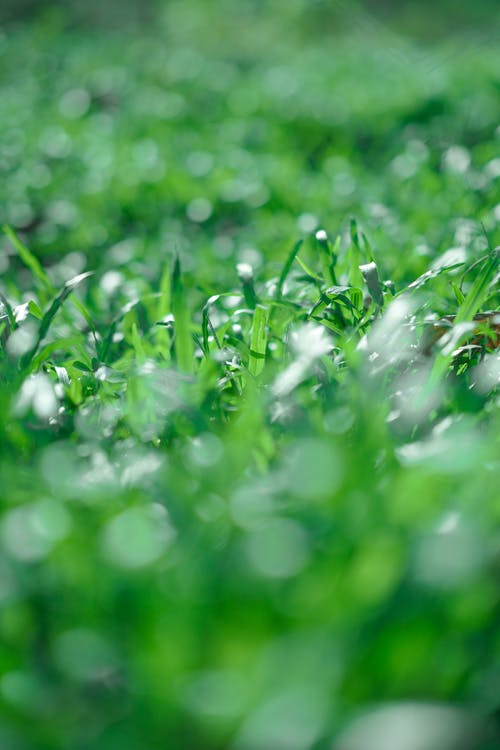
x=180, y=566
x=423, y=11
x=415, y=16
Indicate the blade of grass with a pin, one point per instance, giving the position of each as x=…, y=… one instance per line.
x=479, y=290
x=29, y=260
x=9, y=311
x=183, y=342
x=207, y=328
x=367, y=248
x=355, y=257
x=33, y=264
x=34, y=310
x=140, y=353
x=70, y=344
x=164, y=300
x=459, y=295
x=258, y=341
x=49, y=316
x=162, y=337
x=59, y=301
x=245, y=273
x=287, y=268
x=471, y=304
x=309, y=270
x=327, y=257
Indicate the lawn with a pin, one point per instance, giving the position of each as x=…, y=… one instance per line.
x=249, y=370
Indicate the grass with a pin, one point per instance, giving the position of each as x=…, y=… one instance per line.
x=248, y=470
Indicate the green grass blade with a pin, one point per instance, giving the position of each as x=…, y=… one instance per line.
x=8, y=311
x=367, y=248
x=207, y=328
x=305, y=267
x=183, y=343
x=245, y=273
x=162, y=336
x=478, y=292
x=49, y=316
x=164, y=301
x=258, y=341
x=355, y=257
x=459, y=295
x=287, y=268
x=471, y=304
x=57, y=303
x=327, y=257
x=140, y=353
x=29, y=260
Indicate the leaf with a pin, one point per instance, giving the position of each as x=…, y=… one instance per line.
x=29, y=260
x=34, y=309
x=328, y=257
x=478, y=292
x=68, y=344
x=108, y=340
x=207, y=327
x=162, y=337
x=472, y=302
x=81, y=366
x=309, y=270
x=355, y=257
x=104, y=347
x=183, y=342
x=8, y=311
x=459, y=295
x=354, y=232
x=59, y=301
x=163, y=307
x=432, y=273
x=334, y=294
x=367, y=248
x=356, y=296
x=245, y=273
x=84, y=313
x=286, y=268
x=328, y=324
x=49, y=316
x=258, y=341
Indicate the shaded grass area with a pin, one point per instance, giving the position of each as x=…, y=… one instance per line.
x=248, y=468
